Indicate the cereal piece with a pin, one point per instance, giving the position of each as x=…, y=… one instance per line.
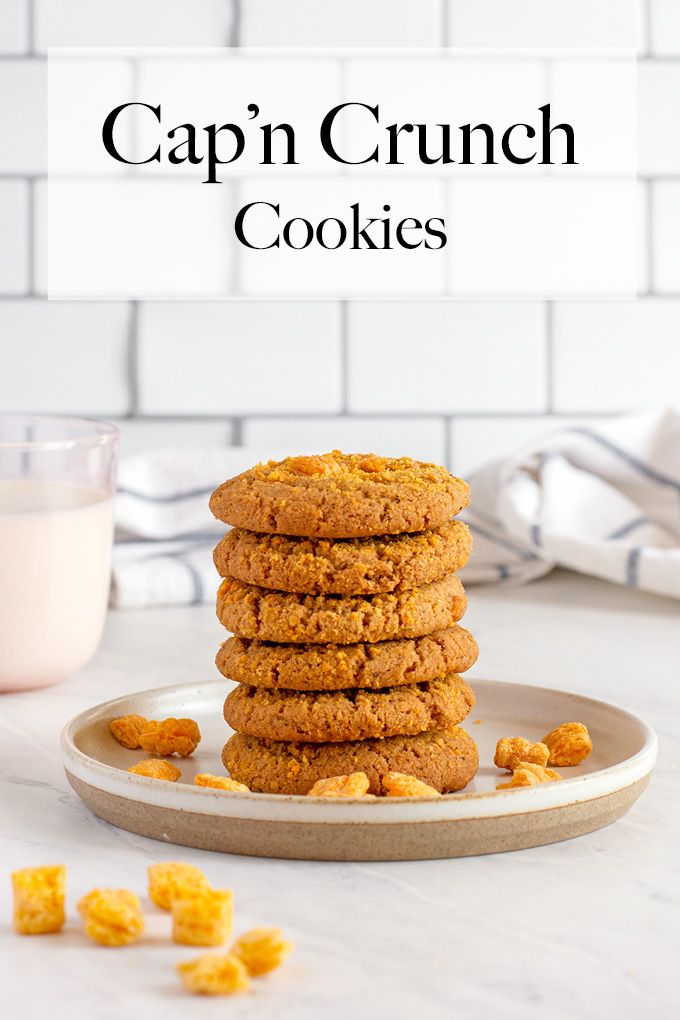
x=569, y=744
x=204, y=918
x=156, y=768
x=174, y=880
x=398, y=784
x=112, y=917
x=510, y=751
x=353, y=785
x=214, y=974
x=128, y=728
x=39, y=895
x=171, y=736
x=528, y=773
x=262, y=949
x=220, y=783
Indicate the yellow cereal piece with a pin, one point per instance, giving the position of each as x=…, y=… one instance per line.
x=220, y=783
x=262, y=950
x=569, y=744
x=204, y=918
x=128, y=728
x=39, y=895
x=112, y=917
x=171, y=736
x=528, y=773
x=214, y=974
x=156, y=768
x=355, y=784
x=510, y=751
x=398, y=784
x=172, y=880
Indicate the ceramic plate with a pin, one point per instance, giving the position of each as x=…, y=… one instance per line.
x=477, y=821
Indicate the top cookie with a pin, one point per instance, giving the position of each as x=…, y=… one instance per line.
x=338, y=495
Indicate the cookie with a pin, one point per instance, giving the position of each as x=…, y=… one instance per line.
x=338, y=495
x=348, y=715
x=344, y=566
x=252, y=612
x=335, y=667
x=445, y=759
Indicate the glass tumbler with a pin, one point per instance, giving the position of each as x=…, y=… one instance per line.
x=57, y=483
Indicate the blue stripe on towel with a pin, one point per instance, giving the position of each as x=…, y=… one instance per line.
x=633, y=566
x=504, y=543
x=630, y=459
x=627, y=528
x=197, y=597
x=171, y=497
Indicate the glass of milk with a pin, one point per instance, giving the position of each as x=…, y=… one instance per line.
x=57, y=482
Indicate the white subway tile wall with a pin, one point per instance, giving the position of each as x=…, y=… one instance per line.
x=457, y=382
x=15, y=26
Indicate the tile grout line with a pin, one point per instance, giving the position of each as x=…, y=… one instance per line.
x=647, y=15
x=234, y=34
x=30, y=240
x=649, y=234
x=30, y=27
x=344, y=359
x=133, y=360
x=549, y=356
x=444, y=26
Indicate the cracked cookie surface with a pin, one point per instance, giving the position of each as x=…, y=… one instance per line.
x=337, y=495
x=444, y=759
x=348, y=715
x=344, y=566
x=336, y=667
x=253, y=612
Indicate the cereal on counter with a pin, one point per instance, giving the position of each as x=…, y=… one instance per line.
x=204, y=918
x=39, y=895
x=171, y=880
x=214, y=974
x=112, y=917
x=262, y=950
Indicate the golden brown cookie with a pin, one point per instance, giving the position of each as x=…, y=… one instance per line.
x=344, y=566
x=335, y=667
x=445, y=759
x=348, y=715
x=338, y=495
x=252, y=612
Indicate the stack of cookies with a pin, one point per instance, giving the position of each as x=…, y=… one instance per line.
x=340, y=588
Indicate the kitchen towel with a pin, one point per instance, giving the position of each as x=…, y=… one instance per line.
x=603, y=500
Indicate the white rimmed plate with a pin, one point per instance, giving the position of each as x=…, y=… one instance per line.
x=476, y=821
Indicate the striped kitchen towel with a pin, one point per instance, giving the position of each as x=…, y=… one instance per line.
x=165, y=532
x=603, y=500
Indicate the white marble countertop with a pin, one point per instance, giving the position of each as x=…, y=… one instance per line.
x=587, y=928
